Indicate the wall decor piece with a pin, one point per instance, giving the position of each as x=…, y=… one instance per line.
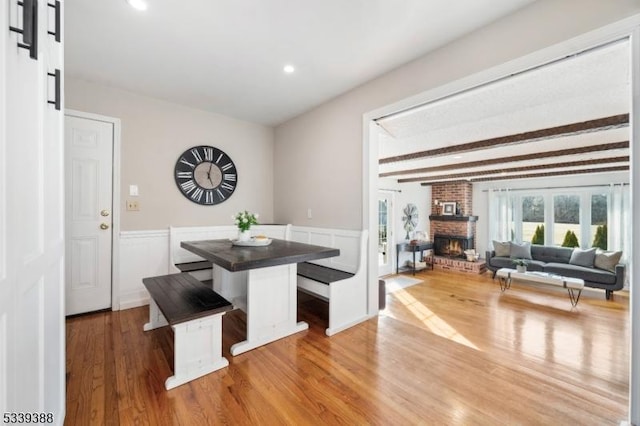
x=448, y=208
x=205, y=175
x=410, y=218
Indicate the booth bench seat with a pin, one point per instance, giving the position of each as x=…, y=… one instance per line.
x=340, y=281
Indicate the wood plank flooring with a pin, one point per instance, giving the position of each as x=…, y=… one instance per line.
x=452, y=350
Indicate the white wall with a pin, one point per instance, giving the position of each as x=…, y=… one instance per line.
x=318, y=155
x=481, y=195
x=404, y=194
x=155, y=133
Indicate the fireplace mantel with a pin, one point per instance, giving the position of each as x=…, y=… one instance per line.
x=451, y=218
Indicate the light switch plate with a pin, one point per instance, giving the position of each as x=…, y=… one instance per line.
x=133, y=190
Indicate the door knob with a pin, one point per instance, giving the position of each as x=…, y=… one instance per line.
x=104, y=226
x=104, y=213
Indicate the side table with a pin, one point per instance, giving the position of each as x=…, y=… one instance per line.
x=418, y=246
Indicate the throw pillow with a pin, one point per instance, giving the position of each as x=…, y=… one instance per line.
x=502, y=249
x=521, y=251
x=607, y=260
x=584, y=258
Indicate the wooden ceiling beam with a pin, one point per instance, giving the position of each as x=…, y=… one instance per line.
x=512, y=159
x=535, y=175
x=573, y=129
x=579, y=163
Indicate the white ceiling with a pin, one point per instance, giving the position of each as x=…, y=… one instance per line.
x=227, y=56
x=589, y=86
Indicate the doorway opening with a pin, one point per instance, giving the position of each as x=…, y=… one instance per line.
x=374, y=132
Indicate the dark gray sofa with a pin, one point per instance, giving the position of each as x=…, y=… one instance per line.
x=556, y=260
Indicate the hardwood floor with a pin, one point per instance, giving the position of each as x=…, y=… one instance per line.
x=452, y=350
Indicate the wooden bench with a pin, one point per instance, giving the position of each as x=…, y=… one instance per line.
x=194, y=266
x=194, y=312
x=322, y=273
x=341, y=280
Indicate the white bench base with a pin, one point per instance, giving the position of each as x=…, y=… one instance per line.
x=197, y=346
x=574, y=286
x=347, y=298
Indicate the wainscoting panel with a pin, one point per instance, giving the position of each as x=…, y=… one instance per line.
x=142, y=254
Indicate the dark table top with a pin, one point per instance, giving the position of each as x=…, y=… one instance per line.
x=236, y=258
x=419, y=245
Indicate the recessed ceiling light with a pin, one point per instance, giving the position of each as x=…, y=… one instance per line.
x=138, y=4
x=457, y=157
x=288, y=69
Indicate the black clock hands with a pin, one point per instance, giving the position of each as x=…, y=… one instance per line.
x=209, y=175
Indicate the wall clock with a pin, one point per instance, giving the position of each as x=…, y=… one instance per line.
x=206, y=175
x=410, y=218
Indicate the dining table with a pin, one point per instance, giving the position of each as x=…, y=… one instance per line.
x=261, y=280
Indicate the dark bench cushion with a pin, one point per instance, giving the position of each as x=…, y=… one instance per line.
x=321, y=274
x=180, y=297
x=194, y=266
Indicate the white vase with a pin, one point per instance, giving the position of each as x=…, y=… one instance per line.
x=521, y=268
x=244, y=235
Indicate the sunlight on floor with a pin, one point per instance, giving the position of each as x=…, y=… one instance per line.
x=436, y=324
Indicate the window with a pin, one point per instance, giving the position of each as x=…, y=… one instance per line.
x=598, y=228
x=383, y=252
x=533, y=219
x=597, y=216
x=580, y=218
x=566, y=220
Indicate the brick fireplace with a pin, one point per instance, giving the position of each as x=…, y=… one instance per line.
x=453, y=234
x=462, y=226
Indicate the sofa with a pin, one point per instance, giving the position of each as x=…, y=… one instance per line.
x=598, y=269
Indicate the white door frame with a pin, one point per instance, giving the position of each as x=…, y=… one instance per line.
x=629, y=27
x=115, y=226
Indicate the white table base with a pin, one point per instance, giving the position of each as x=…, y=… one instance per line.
x=269, y=298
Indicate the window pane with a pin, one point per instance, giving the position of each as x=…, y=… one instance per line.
x=383, y=251
x=533, y=219
x=566, y=218
x=598, y=228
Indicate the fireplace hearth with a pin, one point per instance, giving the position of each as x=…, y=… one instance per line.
x=451, y=245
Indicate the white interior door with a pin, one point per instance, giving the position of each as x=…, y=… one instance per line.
x=32, y=352
x=385, y=233
x=89, y=193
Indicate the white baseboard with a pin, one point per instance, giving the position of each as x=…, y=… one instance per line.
x=134, y=300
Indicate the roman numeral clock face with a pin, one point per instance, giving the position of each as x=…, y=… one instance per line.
x=206, y=175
